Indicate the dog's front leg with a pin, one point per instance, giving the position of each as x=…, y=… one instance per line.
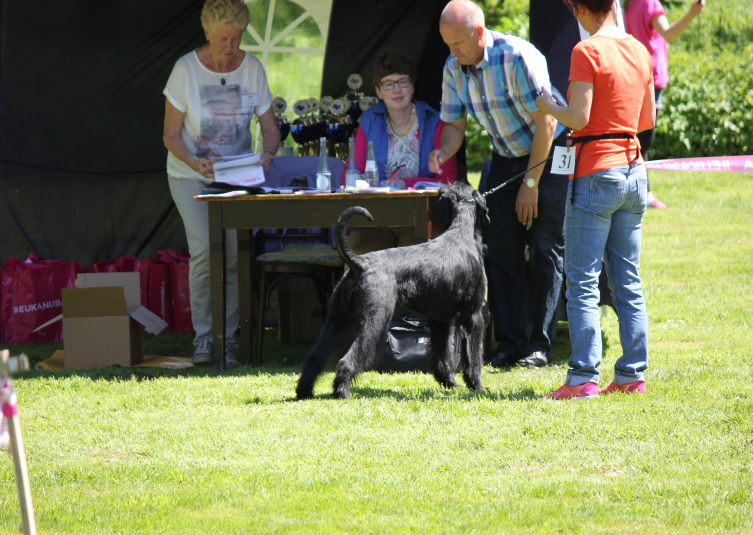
x=336, y=336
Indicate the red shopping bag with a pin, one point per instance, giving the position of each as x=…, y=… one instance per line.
x=129, y=264
x=181, y=292
x=159, y=289
x=103, y=266
x=30, y=295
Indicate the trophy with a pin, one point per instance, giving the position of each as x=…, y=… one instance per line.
x=300, y=127
x=366, y=102
x=319, y=124
x=353, y=97
x=340, y=127
x=279, y=106
x=326, y=102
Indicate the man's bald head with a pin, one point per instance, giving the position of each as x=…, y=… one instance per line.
x=464, y=13
x=462, y=29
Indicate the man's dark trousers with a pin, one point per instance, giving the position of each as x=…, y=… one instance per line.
x=506, y=239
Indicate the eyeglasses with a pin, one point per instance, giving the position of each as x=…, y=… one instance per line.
x=402, y=83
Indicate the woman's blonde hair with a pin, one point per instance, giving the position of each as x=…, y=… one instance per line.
x=230, y=12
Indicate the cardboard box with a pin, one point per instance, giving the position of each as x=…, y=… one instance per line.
x=103, y=319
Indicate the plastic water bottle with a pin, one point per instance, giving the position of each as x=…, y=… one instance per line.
x=351, y=172
x=323, y=174
x=371, y=175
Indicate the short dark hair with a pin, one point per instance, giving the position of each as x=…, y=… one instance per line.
x=594, y=6
x=392, y=62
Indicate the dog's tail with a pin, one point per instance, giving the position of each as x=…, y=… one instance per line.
x=349, y=256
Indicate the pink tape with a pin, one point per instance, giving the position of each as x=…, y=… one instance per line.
x=726, y=164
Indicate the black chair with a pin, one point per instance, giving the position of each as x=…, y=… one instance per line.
x=318, y=261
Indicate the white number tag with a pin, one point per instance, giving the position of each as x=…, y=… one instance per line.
x=250, y=100
x=563, y=161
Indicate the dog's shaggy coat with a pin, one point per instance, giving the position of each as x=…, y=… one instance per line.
x=442, y=280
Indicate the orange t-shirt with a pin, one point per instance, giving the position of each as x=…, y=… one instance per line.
x=620, y=70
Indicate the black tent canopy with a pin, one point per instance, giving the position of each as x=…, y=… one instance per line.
x=82, y=163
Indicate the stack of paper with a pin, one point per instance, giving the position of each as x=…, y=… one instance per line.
x=241, y=170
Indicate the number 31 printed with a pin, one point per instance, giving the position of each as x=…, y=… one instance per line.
x=563, y=161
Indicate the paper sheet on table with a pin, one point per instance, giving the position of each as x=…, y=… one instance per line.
x=237, y=193
x=228, y=162
x=247, y=175
x=428, y=185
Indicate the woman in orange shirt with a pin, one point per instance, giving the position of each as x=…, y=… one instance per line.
x=611, y=99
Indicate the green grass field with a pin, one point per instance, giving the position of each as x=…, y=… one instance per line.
x=153, y=451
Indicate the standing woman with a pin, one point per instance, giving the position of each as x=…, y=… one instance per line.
x=611, y=99
x=212, y=94
x=645, y=20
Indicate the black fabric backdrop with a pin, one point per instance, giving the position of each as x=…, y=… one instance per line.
x=554, y=31
x=82, y=164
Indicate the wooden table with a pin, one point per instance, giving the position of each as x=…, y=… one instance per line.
x=404, y=208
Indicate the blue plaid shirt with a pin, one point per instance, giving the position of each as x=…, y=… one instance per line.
x=502, y=95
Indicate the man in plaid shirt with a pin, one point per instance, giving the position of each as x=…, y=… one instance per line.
x=497, y=78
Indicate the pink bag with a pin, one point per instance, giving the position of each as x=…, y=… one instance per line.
x=103, y=266
x=30, y=295
x=159, y=290
x=181, y=292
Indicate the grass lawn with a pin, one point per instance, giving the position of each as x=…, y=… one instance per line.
x=152, y=451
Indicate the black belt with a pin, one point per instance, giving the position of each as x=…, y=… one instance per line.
x=585, y=139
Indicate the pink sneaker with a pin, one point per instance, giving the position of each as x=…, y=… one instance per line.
x=653, y=202
x=638, y=387
x=586, y=390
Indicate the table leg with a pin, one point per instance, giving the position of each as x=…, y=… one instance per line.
x=246, y=297
x=217, y=283
x=421, y=217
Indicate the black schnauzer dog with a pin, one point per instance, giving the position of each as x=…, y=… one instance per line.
x=442, y=280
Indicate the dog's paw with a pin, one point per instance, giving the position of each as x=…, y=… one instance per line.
x=341, y=393
x=301, y=394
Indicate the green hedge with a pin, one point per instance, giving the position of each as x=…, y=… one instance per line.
x=708, y=105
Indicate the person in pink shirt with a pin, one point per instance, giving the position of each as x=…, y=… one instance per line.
x=645, y=20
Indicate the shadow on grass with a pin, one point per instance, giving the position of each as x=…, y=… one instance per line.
x=428, y=395
x=278, y=358
x=460, y=393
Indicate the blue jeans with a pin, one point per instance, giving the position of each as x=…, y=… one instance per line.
x=604, y=218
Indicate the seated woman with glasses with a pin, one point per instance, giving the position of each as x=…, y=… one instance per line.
x=404, y=132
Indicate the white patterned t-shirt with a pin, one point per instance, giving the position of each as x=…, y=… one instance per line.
x=217, y=117
x=402, y=152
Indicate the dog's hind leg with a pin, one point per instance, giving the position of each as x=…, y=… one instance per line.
x=440, y=352
x=473, y=350
x=370, y=334
x=337, y=334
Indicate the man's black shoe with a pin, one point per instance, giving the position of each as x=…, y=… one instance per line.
x=500, y=360
x=537, y=359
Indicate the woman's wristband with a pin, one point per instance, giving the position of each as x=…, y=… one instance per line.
x=270, y=154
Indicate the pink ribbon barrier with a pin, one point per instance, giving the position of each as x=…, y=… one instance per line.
x=726, y=164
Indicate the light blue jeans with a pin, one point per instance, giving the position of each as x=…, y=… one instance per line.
x=603, y=218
